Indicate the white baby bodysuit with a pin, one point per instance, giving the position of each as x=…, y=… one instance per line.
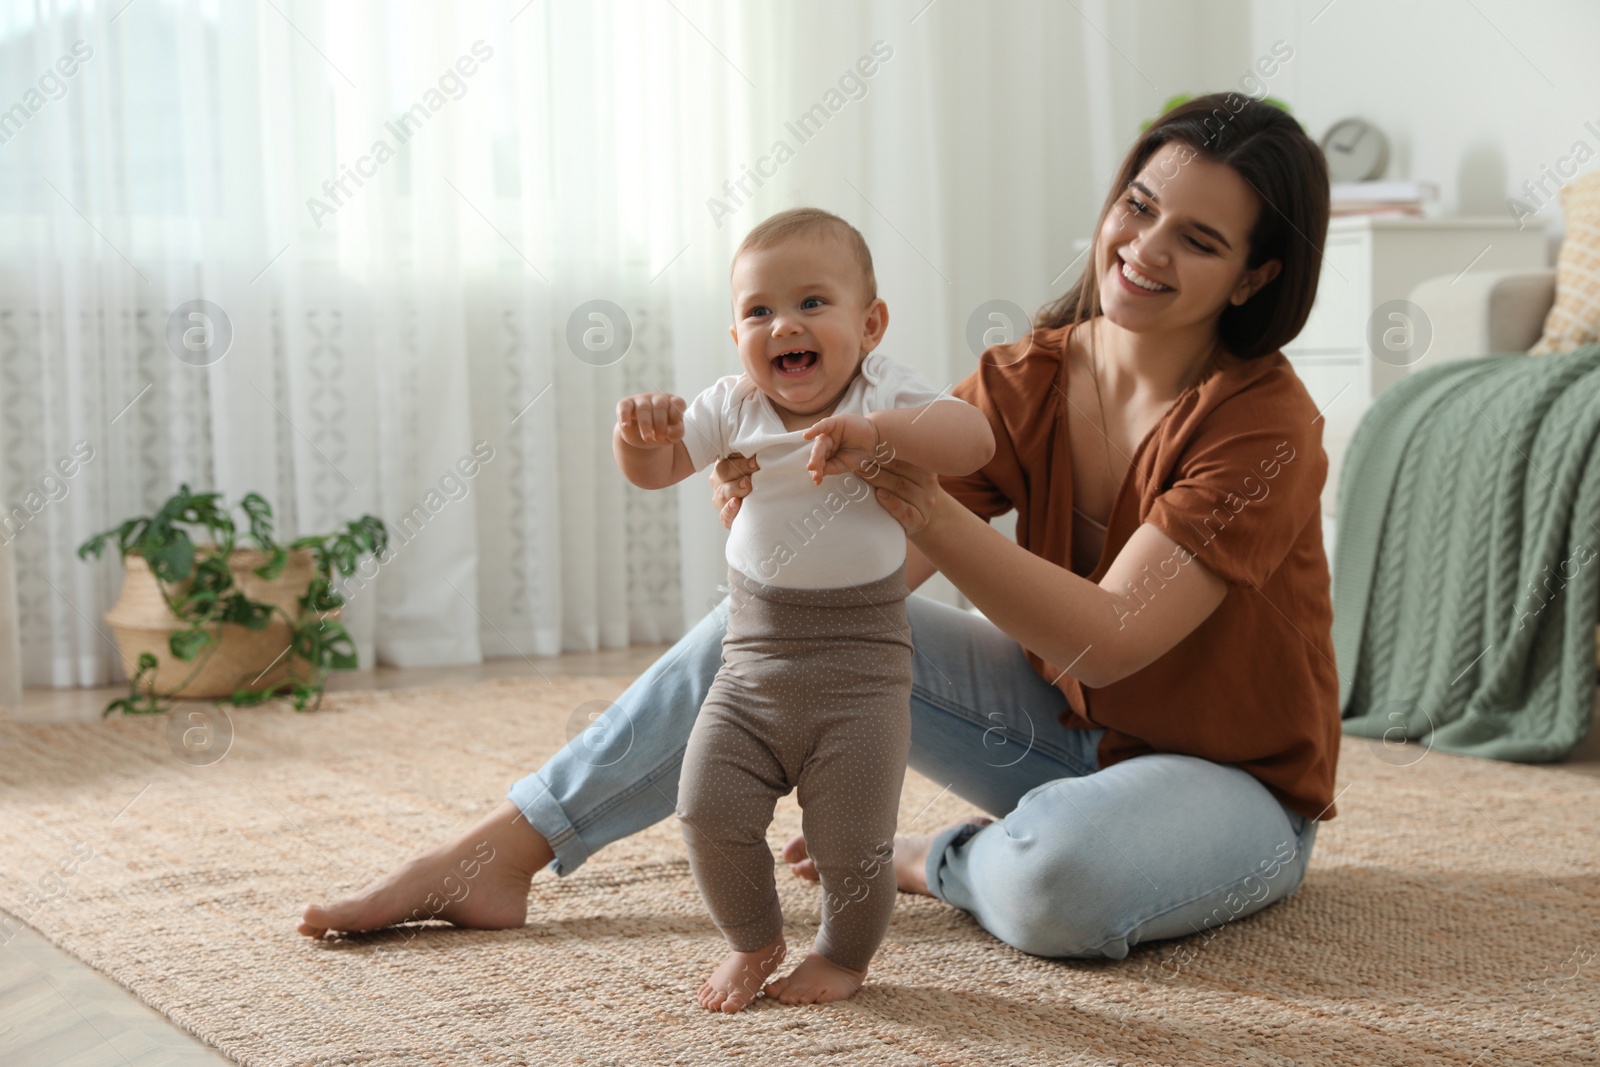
x=790, y=531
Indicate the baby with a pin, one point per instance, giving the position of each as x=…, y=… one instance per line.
x=814, y=689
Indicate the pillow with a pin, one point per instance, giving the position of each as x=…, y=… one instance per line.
x=1574, y=319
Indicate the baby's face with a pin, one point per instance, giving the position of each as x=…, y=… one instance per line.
x=802, y=323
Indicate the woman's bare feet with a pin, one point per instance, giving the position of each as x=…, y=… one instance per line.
x=816, y=981
x=910, y=858
x=739, y=978
x=479, y=880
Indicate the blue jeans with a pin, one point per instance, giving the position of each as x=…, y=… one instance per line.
x=1082, y=862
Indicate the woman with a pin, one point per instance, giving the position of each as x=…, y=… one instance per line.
x=1149, y=704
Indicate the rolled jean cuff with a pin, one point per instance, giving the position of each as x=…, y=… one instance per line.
x=532, y=797
x=944, y=840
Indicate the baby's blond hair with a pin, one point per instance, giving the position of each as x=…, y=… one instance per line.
x=812, y=222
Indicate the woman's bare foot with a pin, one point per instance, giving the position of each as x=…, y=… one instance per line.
x=910, y=858
x=817, y=980
x=479, y=880
x=739, y=978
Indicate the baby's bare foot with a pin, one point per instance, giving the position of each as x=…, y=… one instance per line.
x=910, y=857
x=739, y=978
x=817, y=980
x=479, y=880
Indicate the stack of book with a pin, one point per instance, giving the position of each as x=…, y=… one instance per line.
x=1394, y=197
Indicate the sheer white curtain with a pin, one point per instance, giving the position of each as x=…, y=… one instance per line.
x=408, y=212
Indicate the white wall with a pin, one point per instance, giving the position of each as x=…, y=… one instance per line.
x=1478, y=97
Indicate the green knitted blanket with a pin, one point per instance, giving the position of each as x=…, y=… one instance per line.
x=1467, y=559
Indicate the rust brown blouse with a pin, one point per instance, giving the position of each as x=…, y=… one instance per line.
x=1233, y=473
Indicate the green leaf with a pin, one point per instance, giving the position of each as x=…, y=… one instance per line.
x=342, y=554
x=124, y=535
x=274, y=566
x=197, y=606
x=186, y=644
x=301, y=696
x=131, y=534
x=198, y=601
x=137, y=703
x=325, y=644
x=338, y=648
x=175, y=506
x=320, y=597
x=94, y=546
x=173, y=560
x=260, y=514
x=377, y=534
x=206, y=509
x=212, y=573
x=241, y=609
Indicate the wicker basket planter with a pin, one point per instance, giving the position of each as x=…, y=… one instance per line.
x=238, y=656
x=202, y=618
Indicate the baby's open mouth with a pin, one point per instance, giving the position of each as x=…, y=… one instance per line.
x=795, y=363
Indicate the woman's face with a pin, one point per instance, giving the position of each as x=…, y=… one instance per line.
x=1172, y=252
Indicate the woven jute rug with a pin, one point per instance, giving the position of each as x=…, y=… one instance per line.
x=1451, y=914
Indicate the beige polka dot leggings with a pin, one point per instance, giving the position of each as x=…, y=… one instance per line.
x=813, y=695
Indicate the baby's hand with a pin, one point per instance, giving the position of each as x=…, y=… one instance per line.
x=651, y=420
x=843, y=443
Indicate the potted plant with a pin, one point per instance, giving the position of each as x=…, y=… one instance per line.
x=201, y=616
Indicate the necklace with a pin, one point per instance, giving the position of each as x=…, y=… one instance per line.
x=1105, y=436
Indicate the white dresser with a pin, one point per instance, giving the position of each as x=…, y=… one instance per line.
x=1370, y=261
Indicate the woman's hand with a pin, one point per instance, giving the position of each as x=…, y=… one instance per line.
x=730, y=482
x=911, y=494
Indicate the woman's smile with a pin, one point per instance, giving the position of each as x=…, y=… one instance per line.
x=1138, y=283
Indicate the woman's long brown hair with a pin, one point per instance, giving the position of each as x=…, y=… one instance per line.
x=1268, y=149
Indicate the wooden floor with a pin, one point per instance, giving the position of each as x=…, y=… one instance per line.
x=56, y=1012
